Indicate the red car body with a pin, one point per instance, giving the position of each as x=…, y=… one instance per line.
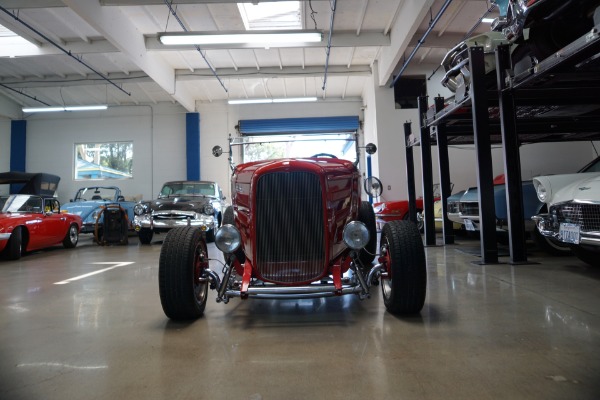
x=322, y=223
x=31, y=222
x=387, y=211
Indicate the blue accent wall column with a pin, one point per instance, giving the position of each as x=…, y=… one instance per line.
x=192, y=145
x=18, y=142
x=18, y=145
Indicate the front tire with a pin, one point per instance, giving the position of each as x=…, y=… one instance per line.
x=551, y=246
x=183, y=258
x=405, y=286
x=72, y=237
x=145, y=235
x=14, y=247
x=366, y=215
x=587, y=256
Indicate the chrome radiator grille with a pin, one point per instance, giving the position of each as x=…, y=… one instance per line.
x=585, y=215
x=469, y=208
x=289, y=227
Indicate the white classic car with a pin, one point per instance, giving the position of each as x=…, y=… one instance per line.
x=573, y=205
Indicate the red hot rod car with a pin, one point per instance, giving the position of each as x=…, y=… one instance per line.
x=297, y=229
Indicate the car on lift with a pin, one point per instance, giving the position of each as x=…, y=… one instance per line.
x=297, y=229
x=91, y=202
x=572, y=206
x=534, y=30
x=180, y=203
x=31, y=219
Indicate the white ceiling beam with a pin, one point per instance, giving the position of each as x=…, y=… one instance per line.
x=75, y=80
x=69, y=24
x=271, y=72
x=111, y=23
x=146, y=93
x=453, y=10
x=361, y=16
x=21, y=4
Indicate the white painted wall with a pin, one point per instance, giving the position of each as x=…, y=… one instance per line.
x=157, y=132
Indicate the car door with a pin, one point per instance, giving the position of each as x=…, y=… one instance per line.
x=54, y=224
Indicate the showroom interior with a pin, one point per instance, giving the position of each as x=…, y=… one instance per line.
x=503, y=317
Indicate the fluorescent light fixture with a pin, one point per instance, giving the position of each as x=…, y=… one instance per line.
x=66, y=108
x=263, y=38
x=268, y=101
x=487, y=20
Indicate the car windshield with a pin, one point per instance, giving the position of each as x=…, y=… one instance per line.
x=96, y=193
x=21, y=203
x=188, y=189
x=594, y=166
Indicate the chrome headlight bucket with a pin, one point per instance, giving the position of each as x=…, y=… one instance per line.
x=139, y=209
x=356, y=235
x=228, y=239
x=208, y=209
x=542, y=193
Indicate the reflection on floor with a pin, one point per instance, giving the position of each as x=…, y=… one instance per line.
x=486, y=332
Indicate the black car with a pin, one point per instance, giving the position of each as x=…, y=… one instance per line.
x=179, y=204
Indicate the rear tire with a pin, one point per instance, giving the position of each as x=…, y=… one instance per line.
x=72, y=237
x=145, y=235
x=14, y=247
x=366, y=215
x=183, y=258
x=405, y=287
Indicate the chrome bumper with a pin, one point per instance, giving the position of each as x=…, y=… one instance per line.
x=548, y=228
x=149, y=222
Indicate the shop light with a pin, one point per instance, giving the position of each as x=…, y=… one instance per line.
x=278, y=100
x=65, y=108
x=257, y=38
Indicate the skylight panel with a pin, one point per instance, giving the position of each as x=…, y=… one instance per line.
x=280, y=15
x=12, y=45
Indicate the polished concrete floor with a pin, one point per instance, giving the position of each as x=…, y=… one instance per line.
x=87, y=324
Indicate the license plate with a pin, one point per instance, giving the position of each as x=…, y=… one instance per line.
x=469, y=224
x=569, y=233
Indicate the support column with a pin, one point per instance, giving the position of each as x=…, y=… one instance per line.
x=192, y=145
x=410, y=174
x=18, y=147
x=444, y=168
x=427, y=171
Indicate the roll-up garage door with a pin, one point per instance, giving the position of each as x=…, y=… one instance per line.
x=286, y=126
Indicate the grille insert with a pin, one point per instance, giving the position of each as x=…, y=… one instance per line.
x=289, y=227
x=585, y=215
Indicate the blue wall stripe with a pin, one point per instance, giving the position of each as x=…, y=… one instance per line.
x=18, y=146
x=284, y=126
x=192, y=145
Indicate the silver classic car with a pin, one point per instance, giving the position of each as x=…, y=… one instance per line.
x=573, y=210
x=179, y=204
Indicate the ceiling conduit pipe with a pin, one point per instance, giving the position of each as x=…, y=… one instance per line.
x=421, y=41
x=67, y=52
x=181, y=24
x=25, y=94
x=328, y=50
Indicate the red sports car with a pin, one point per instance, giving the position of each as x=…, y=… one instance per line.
x=32, y=222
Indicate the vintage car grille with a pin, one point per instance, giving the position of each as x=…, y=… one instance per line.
x=173, y=215
x=587, y=216
x=289, y=227
x=469, y=208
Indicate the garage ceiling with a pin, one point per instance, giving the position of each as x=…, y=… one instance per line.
x=117, y=39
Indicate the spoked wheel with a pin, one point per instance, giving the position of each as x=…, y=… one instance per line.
x=72, y=237
x=405, y=285
x=183, y=258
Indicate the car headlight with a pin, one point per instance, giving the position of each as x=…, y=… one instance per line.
x=228, y=239
x=542, y=193
x=208, y=209
x=139, y=209
x=356, y=235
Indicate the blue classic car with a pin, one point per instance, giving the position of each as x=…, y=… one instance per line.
x=89, y=202
x=463, y=207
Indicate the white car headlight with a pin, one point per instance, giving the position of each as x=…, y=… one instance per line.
x=542, y=193
x=139, y=209
x=356, y=235
x=208, y=209
x=228, y=239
